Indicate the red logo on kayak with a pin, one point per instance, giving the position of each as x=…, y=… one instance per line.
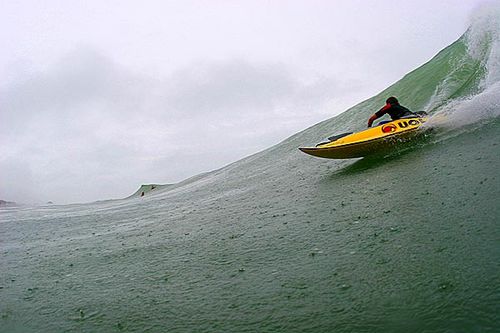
x=389, y=128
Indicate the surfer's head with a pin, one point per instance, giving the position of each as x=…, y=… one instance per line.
x=392, y=100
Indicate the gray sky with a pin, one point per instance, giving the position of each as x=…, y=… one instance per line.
x=98, y=97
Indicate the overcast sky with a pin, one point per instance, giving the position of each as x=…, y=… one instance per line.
x=98, y=97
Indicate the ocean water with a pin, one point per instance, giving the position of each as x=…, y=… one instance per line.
x=284, y=242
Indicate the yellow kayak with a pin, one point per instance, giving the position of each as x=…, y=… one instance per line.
x=369, y=141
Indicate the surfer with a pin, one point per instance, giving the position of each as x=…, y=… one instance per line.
x=393, y=108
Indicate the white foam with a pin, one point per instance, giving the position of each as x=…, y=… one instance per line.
x=483, y=40
x=465, y=111
x=483, y=44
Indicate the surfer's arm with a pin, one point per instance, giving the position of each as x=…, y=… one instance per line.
x=378, y=114
x=383, y=111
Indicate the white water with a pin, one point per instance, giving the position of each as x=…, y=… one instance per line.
x=483, y=44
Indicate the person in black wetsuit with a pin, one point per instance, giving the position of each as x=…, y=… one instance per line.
x=393, y=108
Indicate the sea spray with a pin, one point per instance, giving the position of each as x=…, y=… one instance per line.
x=482, y=41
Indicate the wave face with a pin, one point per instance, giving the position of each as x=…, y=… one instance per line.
x=283, y=242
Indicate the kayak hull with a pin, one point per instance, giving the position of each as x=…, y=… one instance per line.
x=370, y=141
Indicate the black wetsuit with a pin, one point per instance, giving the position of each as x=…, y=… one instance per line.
x=396, y=111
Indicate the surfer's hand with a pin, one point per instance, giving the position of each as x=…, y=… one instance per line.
x=370, y=121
